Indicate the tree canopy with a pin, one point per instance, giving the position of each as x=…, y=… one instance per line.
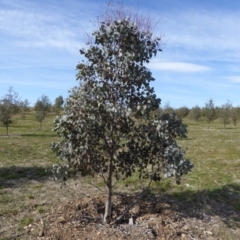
x=209, y=111
x=225, y=113
x=58, y=104
x=9, y=105
x=42, y=107
x=108, y=126
x=195, y=113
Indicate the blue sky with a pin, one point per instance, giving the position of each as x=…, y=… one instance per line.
x=40, y=42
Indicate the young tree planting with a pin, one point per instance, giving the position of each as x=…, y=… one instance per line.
x=235, y=115
x=168, y=109
x=182, y=112
x=225, y=113
x=9, y=105
x=210, y=112
x=42, y=107
x=195, y=114
x=24, y=108
x=107, y=126
x=58, y=104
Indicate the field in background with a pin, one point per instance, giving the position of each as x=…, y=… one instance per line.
x=27, y=193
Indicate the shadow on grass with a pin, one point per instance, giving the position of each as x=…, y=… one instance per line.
x=15, y=176
x=223, y=202
x=39, y=134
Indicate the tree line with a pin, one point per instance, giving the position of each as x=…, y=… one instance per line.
x=11, y=104
x=227, y=113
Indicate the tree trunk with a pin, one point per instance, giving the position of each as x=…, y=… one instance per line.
x=7, y=130
x=108, y=205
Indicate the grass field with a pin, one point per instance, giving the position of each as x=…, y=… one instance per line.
x=27, y=193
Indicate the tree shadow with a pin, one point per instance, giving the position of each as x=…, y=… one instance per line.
x=39, y=134
x=223, y=202
x=15, y=176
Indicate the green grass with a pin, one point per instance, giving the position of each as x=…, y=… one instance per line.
x=26, y=142
x=26, y=191
x=25, y=155
x=40, y=209
x=25, y=221
x=215, y=153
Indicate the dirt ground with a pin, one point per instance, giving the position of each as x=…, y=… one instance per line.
x=154, y=217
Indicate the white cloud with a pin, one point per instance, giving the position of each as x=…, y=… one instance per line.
x=211, y=35
x=30, y=27
x=235, y=79
x=178, y=66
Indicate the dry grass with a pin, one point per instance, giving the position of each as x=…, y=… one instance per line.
x=27, y=194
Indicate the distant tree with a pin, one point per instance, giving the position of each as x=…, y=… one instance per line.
x=24, y=107
x=42, y=107
x=235, y=115
x=209, y=111
x=218, y=111
x=225, y=113
x=58, y=104
x=9, y=106
x=107, y=127
x=182, y=112
x=195, y=114
x=157, y=113
x=168, y=109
